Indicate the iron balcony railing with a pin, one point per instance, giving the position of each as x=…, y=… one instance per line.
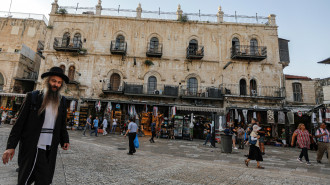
x=110, y=87
x=195, y=52
x=65, y=44
x=200, y=91
x=248, y=52
x=246, y=91
x=155, y=50
x=151, y=89
x=118, y=48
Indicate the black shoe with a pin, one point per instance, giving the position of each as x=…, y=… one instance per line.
x=319, y=162
x=262, y=153
x=129, y=153
x=17, y=169
x=246, y=155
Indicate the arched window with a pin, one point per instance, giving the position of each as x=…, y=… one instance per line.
x=242, y=87
x=72, y=71
x=253, y=47
x=253, y=88
x=154, y=42
x=297, y=92
x=193, y=46
x=66, y=39
x=235, y=45
x=114, y=82
x=2, y=82
x=63, y=68
x=192, y=86
x=120, y=42
x=152, y=84
x=77, y=40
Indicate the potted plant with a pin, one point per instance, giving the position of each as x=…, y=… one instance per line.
x=62, y=11
x=183, y=18
x=148, y=62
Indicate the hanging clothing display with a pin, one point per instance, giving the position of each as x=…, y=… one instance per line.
x=327, y=116
x=109, y=107
x=281, y=117
x=239, y=118
x=245, y=115
x=98, y=106
x=73, y=106
x=131, y=111
x=320, y=116
x=270, y=116
x=173, y=111
x=290, y=118
x=236, y=114
x=255, y=115
x=313, y=118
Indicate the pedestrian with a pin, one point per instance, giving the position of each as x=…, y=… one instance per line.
x=153, y=132
x=40, y=128
x=131, y=131
x=233, y=132
x=303, y=140
x=254, y=152
x=283, y=137
x=240, y=137
x=88, y=125
x=95, y=125
x=322, y=135
x=191, y=131
x=4, y=117
x=114, y=125
x=208, y=136
x=105, y=126
x=262, y=134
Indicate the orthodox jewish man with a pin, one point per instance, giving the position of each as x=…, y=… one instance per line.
x=40, y=128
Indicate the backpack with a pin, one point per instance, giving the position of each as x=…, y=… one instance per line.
x=252, y=142
x=34, y=100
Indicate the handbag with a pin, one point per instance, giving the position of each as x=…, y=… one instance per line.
x=136, y=142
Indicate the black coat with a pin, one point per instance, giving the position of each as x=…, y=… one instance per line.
x=27, y=131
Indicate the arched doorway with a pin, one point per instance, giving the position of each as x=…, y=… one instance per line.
x=114, y=82
x=152, y=84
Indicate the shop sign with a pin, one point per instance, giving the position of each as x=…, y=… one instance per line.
x=299, y=113
x=117, y=106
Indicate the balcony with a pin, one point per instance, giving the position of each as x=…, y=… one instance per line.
x=267, y=92
x=69, y=45
x=247, y=52
x=155, y=90
x=155, y=50
x=112, y=88
x=28, y=76
x=118, y=48
x=195, y=53
x=201, y=92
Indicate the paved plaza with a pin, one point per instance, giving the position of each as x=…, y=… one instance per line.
x=103, y=160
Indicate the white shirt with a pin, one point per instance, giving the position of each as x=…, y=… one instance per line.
x=105, y=123
x=49, y=123
x=114, y=122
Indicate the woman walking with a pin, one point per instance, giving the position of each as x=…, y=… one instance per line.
x=303, y=140
x=254, y=152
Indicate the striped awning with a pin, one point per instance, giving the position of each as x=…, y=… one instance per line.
x=200, y=109
x=12, y=94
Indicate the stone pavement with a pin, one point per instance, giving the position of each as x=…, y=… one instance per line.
x=103, y=160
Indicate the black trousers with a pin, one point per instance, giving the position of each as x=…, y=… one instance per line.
x=304, y=152
x=153, y=134
x=41, y=172
x=131, y=137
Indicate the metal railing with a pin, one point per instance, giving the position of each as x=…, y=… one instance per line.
x=152, y=89
x=20, y=15
x=195, y=53
x=248, y=52
x=118, y=47
x=211, y=18
x=259, y=91
x=200, y=91
x=61, y=43
x=112, y=87
x=154, y=50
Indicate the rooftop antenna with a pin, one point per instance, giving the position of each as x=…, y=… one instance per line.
x=77, y=7
x=118, y=8
x=10, y=7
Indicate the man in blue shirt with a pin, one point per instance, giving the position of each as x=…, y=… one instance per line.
x=96, y=125
x=131, y=131
x=153, y=132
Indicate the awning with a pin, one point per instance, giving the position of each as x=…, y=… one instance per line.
x=200, y=109
x=12, y=94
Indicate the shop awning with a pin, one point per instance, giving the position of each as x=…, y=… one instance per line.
x=200, y=109
x=12, y=94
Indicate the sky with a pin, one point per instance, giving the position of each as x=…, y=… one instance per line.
x=305, y=23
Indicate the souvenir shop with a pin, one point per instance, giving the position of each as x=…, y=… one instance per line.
x=10, y=105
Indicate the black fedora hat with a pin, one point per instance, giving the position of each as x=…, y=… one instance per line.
x=56, y=71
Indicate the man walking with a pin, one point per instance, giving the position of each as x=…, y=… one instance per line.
x=105, y=125
x=131, y=131
x=40, y=128
x=88, y=125
x=208, y=136
x=153, y=132
x=95, y=125
x=114, y=125
x=323, y=142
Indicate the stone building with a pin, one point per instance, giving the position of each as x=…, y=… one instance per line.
x=21, y=43
x=198, y=69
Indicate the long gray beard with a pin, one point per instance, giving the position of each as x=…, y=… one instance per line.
x=50, y=98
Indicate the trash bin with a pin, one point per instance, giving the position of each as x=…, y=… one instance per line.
x=226, y=143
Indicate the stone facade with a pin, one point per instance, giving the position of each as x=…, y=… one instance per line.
x=307, y=90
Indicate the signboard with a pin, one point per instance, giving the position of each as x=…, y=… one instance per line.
x=299, y=113
x=117, y=106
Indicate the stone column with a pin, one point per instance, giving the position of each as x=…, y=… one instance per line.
x=220, y=15
x=54, y=7
x=139, y=11
x=99, y=8
x=272, y=20
x=179, y=12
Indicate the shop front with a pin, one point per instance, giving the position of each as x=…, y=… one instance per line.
x=10, y=105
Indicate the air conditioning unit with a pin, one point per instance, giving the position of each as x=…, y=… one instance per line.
x=156, y=92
